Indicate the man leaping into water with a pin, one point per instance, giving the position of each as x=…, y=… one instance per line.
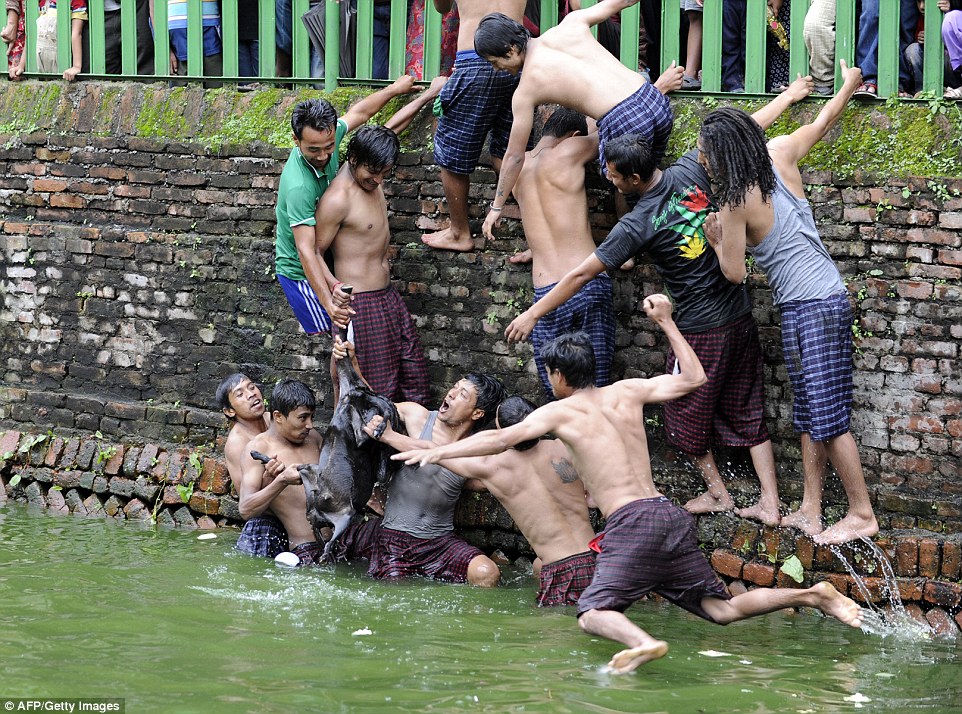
x=649, y=544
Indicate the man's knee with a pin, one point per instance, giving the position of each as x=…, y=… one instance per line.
x=483, y=572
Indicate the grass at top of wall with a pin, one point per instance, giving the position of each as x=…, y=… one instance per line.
x=891, y=140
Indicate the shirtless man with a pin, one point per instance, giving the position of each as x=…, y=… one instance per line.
x=567, y=66
x=242, y=403
x=649, y=544
x=290, y=440
x=763, y=210
x=417, y=533
x=352, y=226
x=714, y=316
x=541, y=491
x=475, y=102
x=554, y=212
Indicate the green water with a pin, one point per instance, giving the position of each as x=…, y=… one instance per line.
x=90, y=608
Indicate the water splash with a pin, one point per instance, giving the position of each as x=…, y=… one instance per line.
x=891, y=622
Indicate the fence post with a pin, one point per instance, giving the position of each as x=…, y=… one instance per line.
x=798, y=59
x=711, y=44
x=364, y=51
x=889, y=32
x=933, y=49
x=756, y=49
x=844, y=37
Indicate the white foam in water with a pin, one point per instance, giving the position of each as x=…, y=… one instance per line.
x=895, y=623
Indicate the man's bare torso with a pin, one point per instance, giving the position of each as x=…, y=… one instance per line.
x=239, y=437
x=361, y=245
x=290, y=505
x=612, y=456
x=554, y=211
x=567, y=66
x=470, y=13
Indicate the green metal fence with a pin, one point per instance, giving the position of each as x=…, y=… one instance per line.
x=671, y=16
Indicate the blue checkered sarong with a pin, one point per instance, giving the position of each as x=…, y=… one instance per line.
x=646, y=112
x=817, y=341
x=263, y=536
x=475, y=101
x=590, y=310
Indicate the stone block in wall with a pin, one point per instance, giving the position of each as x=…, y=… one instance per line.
x=42, y=475
x=727, y=563
x=9, y=442
x=929, y=558
x=56, y=502
x=122, y=486
x=114, y=507
x=206, y=523
x=204, y=502
x=75, y=503
x=906, y=557
x=229, y=508
x=34, y=494
x=136, y=510
x=951, y=560
x=910, y=589
x=146, y=489
x=68, y=479
x=183, y=517
x=94, y=506
x=53, y=451
x=941, y=622
x=214, y=477
x=148, y=458
x=759, y=573
x=942, y=593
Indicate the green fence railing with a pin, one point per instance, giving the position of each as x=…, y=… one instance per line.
x=363, y=22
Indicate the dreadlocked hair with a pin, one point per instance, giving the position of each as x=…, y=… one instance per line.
x=737, y=153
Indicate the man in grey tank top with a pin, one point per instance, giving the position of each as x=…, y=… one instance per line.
x=416, y=536
x=764, y=211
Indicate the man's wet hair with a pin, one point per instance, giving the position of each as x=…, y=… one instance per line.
x=318, y=114
x=290, y=394
x=224, y=389
x=573, y=356
x=490, y=394
x=631, y=154
x=375, y=147
x=497, y=34
x=737, y=153
x=564, y=121
x=512, y=411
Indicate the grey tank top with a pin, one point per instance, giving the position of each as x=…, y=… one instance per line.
x=792, y=255
x=421, y=500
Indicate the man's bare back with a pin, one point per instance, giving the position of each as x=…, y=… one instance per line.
x=352, y=223
x=554, y=207
x=289, y=504
x=470, y=13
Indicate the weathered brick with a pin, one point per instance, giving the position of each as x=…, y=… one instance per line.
x=906, y=557
x=943, y=594
x=941, y=622
x=727, y=564
x=951, y=560
x=929, y=558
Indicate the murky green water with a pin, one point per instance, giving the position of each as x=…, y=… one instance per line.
x=99, y=609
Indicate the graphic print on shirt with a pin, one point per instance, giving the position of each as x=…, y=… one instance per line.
x=693, y=207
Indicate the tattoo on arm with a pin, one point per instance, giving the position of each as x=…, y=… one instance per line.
x=565, y=470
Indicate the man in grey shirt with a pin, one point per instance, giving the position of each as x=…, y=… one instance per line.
x=416, y=536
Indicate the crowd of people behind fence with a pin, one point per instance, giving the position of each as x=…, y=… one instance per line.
x=818, y=34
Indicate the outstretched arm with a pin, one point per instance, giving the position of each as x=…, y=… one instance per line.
x=690, y=374
x=513, y=161
x=366, y=108
x=792, y=148
x=405, y=115
x=599, y=12
x=523, y=324
x=796, y=92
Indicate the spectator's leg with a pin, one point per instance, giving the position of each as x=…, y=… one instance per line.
x=820, y=40
x=382, y=40
x=733, y=45
x=866, y=50
x=908, y=20
x=913, y=60
x=145, y=40
x=282, y=38
x=112, y=43
x=214, y=67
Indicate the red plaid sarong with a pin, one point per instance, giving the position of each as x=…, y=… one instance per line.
x=387, y=346
x=563, y=581
x=401, y=555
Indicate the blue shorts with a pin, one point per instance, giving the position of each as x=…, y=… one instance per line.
x=590, y=310
x=475, y=102
x=306, y=305
x=646, y=112
x=817, y=341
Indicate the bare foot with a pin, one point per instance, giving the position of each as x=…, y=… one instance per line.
x=848, y=529
x=446, y=239
x=806, y=523
x=836, y=605
x=628, y=264
x=707, y=503
x=761, y=512
x=523, y=257
x=628, y=660
x=670, y=79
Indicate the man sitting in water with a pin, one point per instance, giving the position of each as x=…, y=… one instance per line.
x=416, y=536
x=541, y=491
x=291, y=440
x=648, y=544
x=567, y=66
x=242, y=403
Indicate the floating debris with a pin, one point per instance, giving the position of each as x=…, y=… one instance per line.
x=360, y=633
x=207, y=536
x=713, y=653
x=287, y=559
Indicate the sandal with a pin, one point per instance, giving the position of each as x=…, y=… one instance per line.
x=953, y=93
x=867, y=89
x=690, y=83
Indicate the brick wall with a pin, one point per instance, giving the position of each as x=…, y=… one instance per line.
x=137, y=272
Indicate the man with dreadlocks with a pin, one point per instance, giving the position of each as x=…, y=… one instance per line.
x=352, y=230
x=763, y=210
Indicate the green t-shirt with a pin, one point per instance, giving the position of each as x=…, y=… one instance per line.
x=300, y=188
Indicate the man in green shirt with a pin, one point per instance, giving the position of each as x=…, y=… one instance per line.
x=307, y=281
